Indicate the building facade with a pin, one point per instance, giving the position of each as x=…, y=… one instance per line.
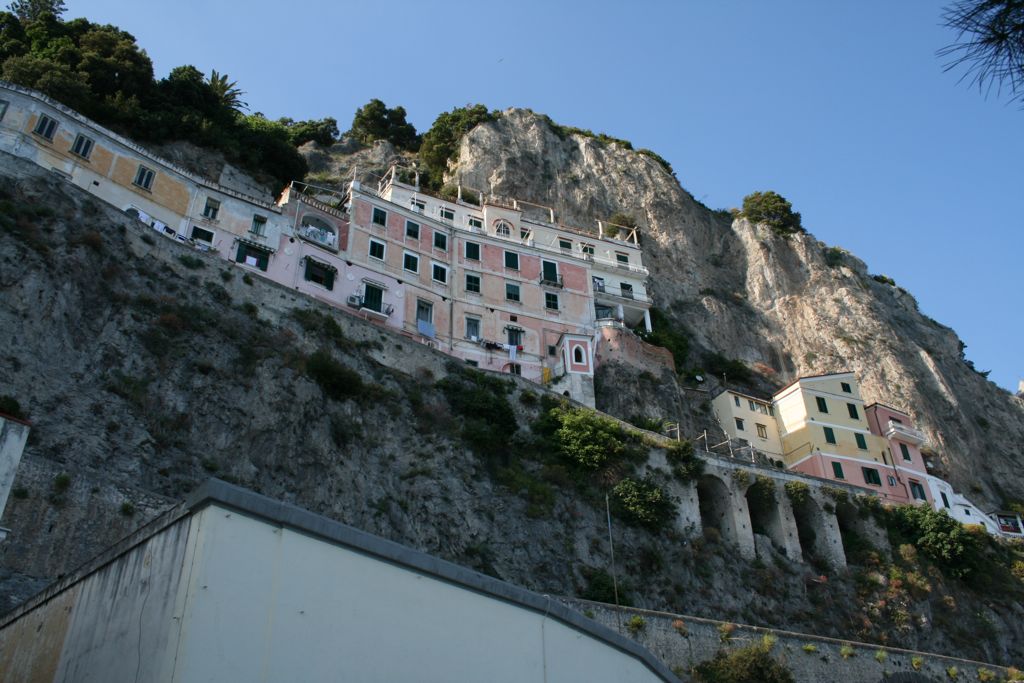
x=498, y=283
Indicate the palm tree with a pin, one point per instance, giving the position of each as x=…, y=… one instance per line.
x=226, y=91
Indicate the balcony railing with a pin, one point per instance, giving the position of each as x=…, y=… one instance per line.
x=896, y=430
x=551, y=281
x=325, y=238
x=356, y=301
x=620, y=293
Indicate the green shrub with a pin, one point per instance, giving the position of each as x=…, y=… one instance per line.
x=601, y=587
x=651, y=424
x=725, y=632
x=986, y=674
x=798, y=492
x=917, y=662
x=442, y=140
x=939, y=537
x=846, y=651
x=336, y=380
x=762, y=491
x=642, y=502
x=834, y=257
x=658, y=158
x=666, y=335
x=809, y=648
x=884, y=279
x=127, y=509
x=772, y=210
x=686, y=465
x=953, y=673
x=751, y=663
x=191, y=262
x=19, y=492
x=881, y=655
x=635, y=625
x=10, y=406
x=734, y=370
x=590, y=441
x=482, y=401
x=375, y=121
x=62, y=482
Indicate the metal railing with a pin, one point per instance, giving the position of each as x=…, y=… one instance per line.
x=904, y=432
x=548, y=281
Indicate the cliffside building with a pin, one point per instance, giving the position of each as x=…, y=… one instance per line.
x=498, y=283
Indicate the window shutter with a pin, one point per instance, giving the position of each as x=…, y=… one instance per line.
x=240, y=256
x=329, y=280
x=263, y=260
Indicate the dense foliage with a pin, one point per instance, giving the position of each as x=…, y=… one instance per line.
x=482, y=401
x=773, y=210
x=666, y=335
x=939, y=537
x=100, y=71
x=750, y=664
x=442, y=140
x=375, y=121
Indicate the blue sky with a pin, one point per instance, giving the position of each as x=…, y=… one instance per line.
x=843, y=108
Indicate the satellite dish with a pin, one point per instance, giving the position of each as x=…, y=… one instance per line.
x=699, y=378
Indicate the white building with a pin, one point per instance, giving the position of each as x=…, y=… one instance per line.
x=232, y=586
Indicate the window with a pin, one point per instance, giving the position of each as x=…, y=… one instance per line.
x=917, y=491
x=472, y=363
x=511, y=260
x=377, y=250
x=3, y=108
x=762, y=431
x=45, y=127
x=472, y=251
x=373, y=298
x=472, y=283
x=891, y=479
x=565, y=244
x=411, y=262
x=515, y=336
x=622, y=258
x=577, y=355
x=739, y=423
x=259, y=226
x=751, y=404
x=524, y=234
x=144, y=178
x=515, y=369
x=822, y=406
x=830, y=436
x=380, y=216
x=447, y=214
x=626, y=290
x=476, y=223
x=511, y=291
x=846, y=387
x=439, y=273
x=549, y=272
x=472, y=328
x=201, y=235
x=871, y=476
x=852, y=409
x=502, y=228
x=837, y=470
x=552, y=350
x=945, y=501
x=417, y=205
x=551, y=301
x=862, y=443
x=212, y=209
x=440, y=241
x=252, y=256
x=82, y=146
x=319, y=273
x=412, y=230
x=905, y=452
x=424, y=311
x=737, y=400
x=587, y=249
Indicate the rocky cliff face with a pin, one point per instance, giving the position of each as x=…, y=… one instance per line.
x=775, y=303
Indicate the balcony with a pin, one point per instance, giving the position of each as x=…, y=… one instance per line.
x=319, y=236
x=374, y=307
x=551, y=280
x=895, y=430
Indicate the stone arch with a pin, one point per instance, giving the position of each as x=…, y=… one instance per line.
x=311, y=220
x=765, y=518
x=854, y=531
x=810, y=523
x=715, y=501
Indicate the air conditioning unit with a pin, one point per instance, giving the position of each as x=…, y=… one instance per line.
x=473, y=338
x=354, y=301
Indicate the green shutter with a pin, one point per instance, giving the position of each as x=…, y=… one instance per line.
x=262, y=260
x=329, y=280
x=240, y=256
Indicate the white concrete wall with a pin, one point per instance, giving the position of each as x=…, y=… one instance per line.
x=269, y=604
x=13, y=436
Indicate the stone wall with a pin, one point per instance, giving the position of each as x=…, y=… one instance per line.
x=683, y=642
x=616, y=343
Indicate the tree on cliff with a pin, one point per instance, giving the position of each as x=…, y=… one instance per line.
x=375, y=121
x=990, y=44
x=30, y=10
x=773, y=210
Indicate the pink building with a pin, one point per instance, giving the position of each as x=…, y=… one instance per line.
x=905, y=476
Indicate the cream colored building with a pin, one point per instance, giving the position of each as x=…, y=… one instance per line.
x=748, y=419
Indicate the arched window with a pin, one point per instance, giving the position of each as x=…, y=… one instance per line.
x=502, y=228
x=577, y=355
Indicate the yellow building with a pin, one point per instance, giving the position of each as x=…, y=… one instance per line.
x=748, y=419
